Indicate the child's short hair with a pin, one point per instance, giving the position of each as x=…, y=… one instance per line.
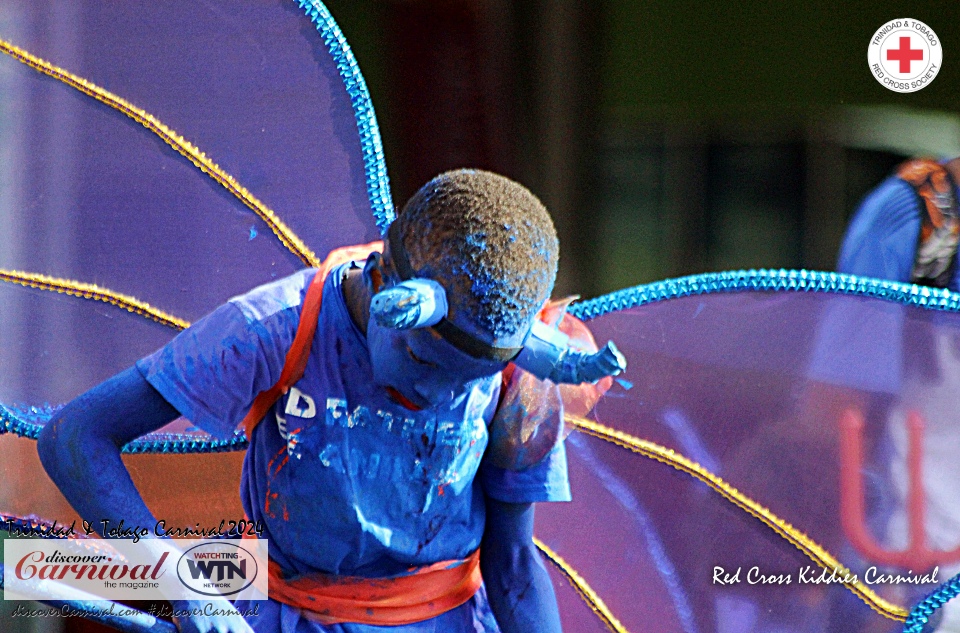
x=488, y=241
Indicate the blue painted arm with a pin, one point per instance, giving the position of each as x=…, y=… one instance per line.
x=80, y=450
x=518, y=586
x=80, y=447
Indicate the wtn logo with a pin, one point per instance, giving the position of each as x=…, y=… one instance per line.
x=222, y=568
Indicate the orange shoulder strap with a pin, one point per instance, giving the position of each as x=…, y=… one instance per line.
x=299, y=352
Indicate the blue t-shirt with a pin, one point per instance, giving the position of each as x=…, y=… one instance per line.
x=345, y=480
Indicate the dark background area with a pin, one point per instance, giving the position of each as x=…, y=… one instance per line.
x=667, y=138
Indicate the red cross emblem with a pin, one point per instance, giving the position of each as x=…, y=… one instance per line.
x=893, y=49
x=905, y=54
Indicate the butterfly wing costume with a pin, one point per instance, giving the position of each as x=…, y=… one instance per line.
x=755, y=467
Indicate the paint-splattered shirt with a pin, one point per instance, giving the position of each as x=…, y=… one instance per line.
x=345, y=480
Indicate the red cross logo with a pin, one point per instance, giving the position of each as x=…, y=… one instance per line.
x=905, y=54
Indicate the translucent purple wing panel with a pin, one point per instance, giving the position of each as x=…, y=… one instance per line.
x=92, y=195
x=266, y=91
x=99, y=184
x=835, y=413
x=54, y=347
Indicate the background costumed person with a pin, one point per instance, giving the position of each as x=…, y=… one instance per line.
x=906, y=229
x=373, y=462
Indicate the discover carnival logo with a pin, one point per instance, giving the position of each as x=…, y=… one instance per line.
x=904, y=55
x=121, y=569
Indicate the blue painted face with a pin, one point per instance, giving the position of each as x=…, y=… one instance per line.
x=418, y=363
x=425, y=369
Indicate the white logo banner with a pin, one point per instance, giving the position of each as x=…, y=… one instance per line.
x=149, y=569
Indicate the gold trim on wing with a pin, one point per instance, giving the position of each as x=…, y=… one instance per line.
x=184, y=147
x=580, y=585
x=96, y=293
x=797, y=538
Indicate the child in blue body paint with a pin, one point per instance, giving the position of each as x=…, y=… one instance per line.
x=373, y=461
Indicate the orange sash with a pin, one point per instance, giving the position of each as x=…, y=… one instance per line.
x=424, y=592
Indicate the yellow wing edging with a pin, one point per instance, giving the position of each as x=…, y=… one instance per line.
x=582, y=588
x=794, y=536
x=95, y=293
x=182, y=146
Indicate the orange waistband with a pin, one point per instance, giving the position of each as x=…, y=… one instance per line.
x=421, y=594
